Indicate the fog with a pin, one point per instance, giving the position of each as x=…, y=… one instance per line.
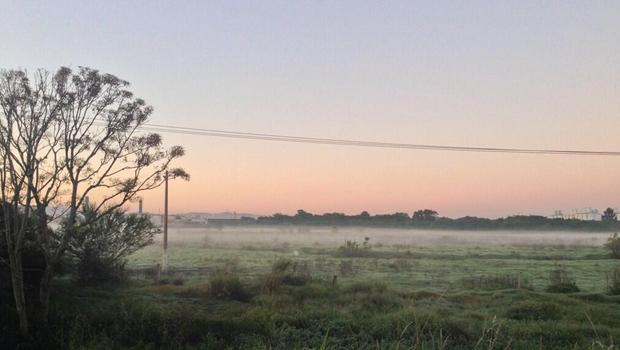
x=331, y=237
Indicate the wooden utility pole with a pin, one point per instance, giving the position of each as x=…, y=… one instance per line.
x=164, y=260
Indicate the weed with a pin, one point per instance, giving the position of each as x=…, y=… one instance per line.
x=228, y=286
x=560, y=281
x=614, y=282
x=400, y=265
x=534, y=311
x=353, y=249
x=494, y=282
x=285, y=271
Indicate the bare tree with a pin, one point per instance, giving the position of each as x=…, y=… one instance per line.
x=104, y=153
x=66, y=137
x=28, y=111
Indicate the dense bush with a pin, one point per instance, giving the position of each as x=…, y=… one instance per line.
x=285, y=271
x=227, y=285
x=94, y=268
x=103, y=240
x=352, y=249
x=613, y=244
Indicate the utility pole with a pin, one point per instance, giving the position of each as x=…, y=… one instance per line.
x=164, y=260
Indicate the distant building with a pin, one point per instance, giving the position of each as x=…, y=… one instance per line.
x=586, y=214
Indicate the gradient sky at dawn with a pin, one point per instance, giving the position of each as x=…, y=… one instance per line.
x=535, y=74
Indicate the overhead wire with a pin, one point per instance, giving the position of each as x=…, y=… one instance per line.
x=364, y=143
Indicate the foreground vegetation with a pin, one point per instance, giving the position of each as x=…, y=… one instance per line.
x=361, y=295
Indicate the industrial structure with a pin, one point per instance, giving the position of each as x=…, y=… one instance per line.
x=580, y=214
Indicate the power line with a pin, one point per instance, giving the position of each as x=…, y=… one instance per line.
x=363, y=143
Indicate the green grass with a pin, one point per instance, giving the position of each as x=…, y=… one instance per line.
x=398, y=297
x=358, y=315
x=432, y=268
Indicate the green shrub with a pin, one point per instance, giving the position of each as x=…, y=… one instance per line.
x=92, y=268
x=285, y=271
x=534, y=311
x=228, y=286
x=613, y=244
x=102, y=241
x=353, y=249
x=560, y=281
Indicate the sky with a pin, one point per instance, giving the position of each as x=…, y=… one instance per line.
x=532, y=74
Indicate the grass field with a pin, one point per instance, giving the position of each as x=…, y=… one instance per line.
x=437, y=261
x=274, y=288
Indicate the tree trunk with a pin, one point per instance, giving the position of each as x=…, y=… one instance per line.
x=45, y=288
x=17, y=284
x=46, y=278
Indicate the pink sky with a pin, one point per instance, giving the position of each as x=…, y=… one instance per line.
x=524, y=74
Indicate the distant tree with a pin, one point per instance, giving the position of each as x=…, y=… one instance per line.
x=609, y=215
x=303, y=216
x=425, y=215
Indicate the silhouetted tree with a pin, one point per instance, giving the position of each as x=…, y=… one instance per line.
x=29, y=112
x=64, y=136
x=303, y=217
x=609, y=215
x=424, y=215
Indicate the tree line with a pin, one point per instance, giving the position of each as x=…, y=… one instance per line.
x=428, y=218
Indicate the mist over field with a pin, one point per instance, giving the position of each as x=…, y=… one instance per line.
x=334, y=237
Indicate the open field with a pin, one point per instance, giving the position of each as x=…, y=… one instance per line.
x=404, y=259
x=295, y=288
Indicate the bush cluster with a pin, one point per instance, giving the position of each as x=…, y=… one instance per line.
x=352, y=249
x=227, y=285
x=285, y=271
x=560, y=281
x=613, y=244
